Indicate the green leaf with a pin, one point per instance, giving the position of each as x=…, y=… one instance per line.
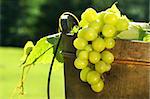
x=147, y=38
x=125, y=17
x=53, y=39
x=43, y=51
x=135, y=31
x=75, y=29
x=131, y=34
x=142, y=33
x=26, y=51
x=45, y=57
x=114, y=9
x=40, y=52
x=59, y=55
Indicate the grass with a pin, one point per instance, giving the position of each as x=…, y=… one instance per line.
x=36, y=82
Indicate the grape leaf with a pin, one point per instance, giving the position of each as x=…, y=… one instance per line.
x=130, y=34
x=41, y=47
x=46, y=57
x=135, y=32
x=43, y=51
x=59, y=55
x=125, y=17
x=53, y=40
x=147, y=38
x=114, y=9
x=27, y=49
x=75, y=29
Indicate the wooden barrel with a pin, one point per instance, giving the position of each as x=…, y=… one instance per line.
x=129, y=77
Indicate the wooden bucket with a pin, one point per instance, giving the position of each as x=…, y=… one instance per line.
x=129, y=77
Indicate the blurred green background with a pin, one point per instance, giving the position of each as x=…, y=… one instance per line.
x=23, y=20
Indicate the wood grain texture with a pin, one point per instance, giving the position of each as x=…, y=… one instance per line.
x=131, y=51
x=129, y=77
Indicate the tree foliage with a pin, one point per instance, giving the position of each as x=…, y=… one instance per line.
x=23, y=20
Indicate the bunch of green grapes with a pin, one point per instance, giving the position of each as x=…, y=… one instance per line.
x=95, y=37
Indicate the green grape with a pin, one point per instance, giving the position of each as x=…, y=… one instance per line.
x=88, y=47
x=83, y=55
x=79, y=43
x=89, y=34
x=98, y=87
x=89, y=15
x=122, y=24
x=80, y=63
x=83, y=23
x=110, y=18
x=100, y=16
x=107, y=57
x=102, y=67
x=83, y=73
x=93, y=77
x=108, y=67
x=109, y=30
x=98, y=44
x=97, y=25
x=147, y=38
x=94, y=56
x=109, y=43
x=77, y=52
x=80, y=34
